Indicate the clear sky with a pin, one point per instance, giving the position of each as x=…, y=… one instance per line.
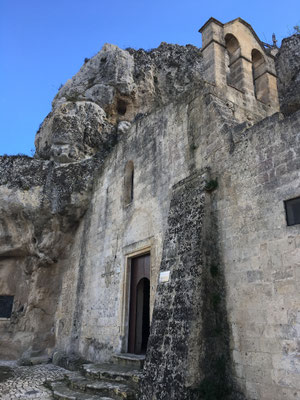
x=44, y=42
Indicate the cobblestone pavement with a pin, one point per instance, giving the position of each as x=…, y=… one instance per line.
x=27, y=382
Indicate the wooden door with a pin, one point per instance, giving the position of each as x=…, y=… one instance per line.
x=139, y=315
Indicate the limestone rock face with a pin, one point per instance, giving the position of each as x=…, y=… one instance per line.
x=287, y=66
x=129, y=82
x=114, y=86
x=73, y=131
x=98, y=79
x=39, y=203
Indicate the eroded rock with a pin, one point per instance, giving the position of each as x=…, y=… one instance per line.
x=287, y=66
x=73, y=131
x=129, y=82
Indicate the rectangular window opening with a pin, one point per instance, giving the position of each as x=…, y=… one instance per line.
x=292, y=209
x=6, y=305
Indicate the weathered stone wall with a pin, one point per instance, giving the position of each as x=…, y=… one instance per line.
x=177, y=323
x=162, y=146
x=188, y=353
x=257, y=169
x=114, y=230
x=261, y=256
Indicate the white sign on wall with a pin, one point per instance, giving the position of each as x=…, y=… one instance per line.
x=164, y=276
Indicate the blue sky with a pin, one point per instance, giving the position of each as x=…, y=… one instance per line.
x=44, y=42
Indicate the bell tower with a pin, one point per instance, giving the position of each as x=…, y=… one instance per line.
x=237, y=61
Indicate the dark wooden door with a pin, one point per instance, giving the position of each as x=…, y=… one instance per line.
x=139, y=315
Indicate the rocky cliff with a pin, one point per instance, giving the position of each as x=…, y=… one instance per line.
x=288, y=74
x=114, y=86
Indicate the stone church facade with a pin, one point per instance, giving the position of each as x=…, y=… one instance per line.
x=166, y=188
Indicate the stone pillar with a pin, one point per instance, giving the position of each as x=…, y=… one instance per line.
x=213, y=50
x=266, y=86
x=174, y=347
x=247, y=80
x=273, y=92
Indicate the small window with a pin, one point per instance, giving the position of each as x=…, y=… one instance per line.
x=129, y=182
x=292, y=209
x=6, y=305
x=121, y=107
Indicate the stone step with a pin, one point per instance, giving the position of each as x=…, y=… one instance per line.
x=113, y=372
x=134, y=360
x=60, y=391
x=116, y=390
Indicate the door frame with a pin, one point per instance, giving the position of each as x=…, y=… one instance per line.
x=126, y=292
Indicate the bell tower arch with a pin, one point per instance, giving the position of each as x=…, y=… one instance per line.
x=237, y=61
